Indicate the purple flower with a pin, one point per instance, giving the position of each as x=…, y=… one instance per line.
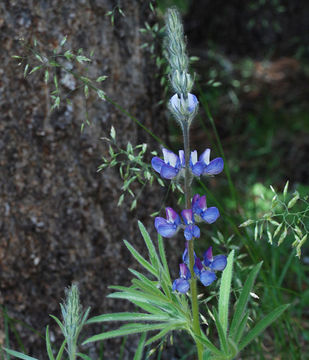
x=205, y=270
x=179, y=105
x=197, y=167
x=170, y=166
x=199, y=207
x=191, y=230
x=212, y=167
x=217, y=263
x=182, y=284
x=169, y=226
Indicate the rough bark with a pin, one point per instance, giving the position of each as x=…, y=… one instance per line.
x=59, y=220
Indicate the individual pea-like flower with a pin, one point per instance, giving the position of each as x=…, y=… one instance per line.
x=201, y=211
x=205, y=270
x=212, y=167
x=170, y=166
x=169, y=226
x=182, y=284
x=191, y=230
x=182, y=106
x=197, y=167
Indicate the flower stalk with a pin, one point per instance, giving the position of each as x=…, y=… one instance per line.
x=193, y=287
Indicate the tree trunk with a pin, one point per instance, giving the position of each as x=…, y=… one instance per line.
x=60, y=222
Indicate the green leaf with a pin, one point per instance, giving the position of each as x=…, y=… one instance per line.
x=151, y=249
x=285, y=189
x=48, y=345
x=101, y=78
x=127, y=316
x=125, y=330
x=140, y=348
x=60, y=352
x=19, y=355
x=35, y=69
x=101, y=94
x=241, y=328
x=262, y=325
x=82, y=58
x=243, y=300
x=83, y=356
x=140, y=259
x=63, y=41
x=246, y=223
x=224, y=293
x=163, y=258
x=209, y=345
x=26, y=70
x=162, y=333
x=221, y=333
x=58, y=322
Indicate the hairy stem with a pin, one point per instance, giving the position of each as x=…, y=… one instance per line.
x=193, y=287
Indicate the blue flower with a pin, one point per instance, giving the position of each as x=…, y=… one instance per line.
x=170, y=166
x=182, y=284
x=205, y=270
x=199, y=207
x=197, y=167
x=212, y=167
x=169, y=226
x=217, y=263
x=181, y=106
x=191, y=230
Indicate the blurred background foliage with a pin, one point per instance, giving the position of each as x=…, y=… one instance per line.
x=251, y=65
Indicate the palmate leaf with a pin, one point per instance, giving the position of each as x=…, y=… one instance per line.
x=224, y=293
x=243, y=301
x=262, y=325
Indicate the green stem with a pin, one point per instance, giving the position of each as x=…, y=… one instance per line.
x=193, y=287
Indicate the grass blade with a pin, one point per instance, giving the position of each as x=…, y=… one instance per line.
x=224, y=293
x=262, y=325
x=243, y=300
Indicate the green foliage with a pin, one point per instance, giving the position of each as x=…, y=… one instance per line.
x=285, y=213
x=164, y=311
x=73, y=321
x=47, y=63
x=133, y=168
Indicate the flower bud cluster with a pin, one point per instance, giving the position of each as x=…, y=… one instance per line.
x=181, y=80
